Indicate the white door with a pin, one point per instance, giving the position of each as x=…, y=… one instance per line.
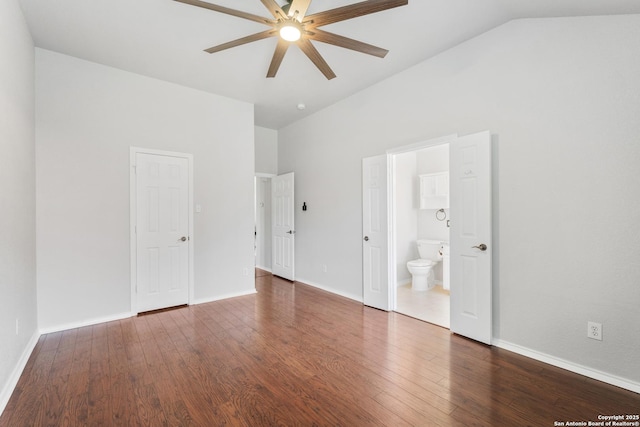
x=162, y=227
x=374, y=233
x=470, y=236
x=283, y=226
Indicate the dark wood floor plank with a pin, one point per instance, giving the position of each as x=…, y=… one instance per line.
x=292, y=355
x=76, y=407
x=30, y=391
x=58, y=380
x=99, y=401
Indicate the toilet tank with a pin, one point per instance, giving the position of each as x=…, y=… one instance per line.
x=430, y=249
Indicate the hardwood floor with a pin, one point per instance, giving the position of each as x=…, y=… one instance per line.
x=292, y=355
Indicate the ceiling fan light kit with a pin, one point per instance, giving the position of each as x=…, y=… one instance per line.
x=291, y=30
x=292, y=24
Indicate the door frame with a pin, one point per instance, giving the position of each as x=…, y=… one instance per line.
x=133, y=151
x=391, y=202
x=258, y=176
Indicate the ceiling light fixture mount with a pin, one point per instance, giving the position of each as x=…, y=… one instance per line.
x=292, y=24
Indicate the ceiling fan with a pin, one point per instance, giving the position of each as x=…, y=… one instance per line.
x=291, y=23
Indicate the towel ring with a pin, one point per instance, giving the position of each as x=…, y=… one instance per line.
x=441, y=215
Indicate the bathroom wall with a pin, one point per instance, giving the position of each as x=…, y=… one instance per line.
x=433, y=160
x=406, y=192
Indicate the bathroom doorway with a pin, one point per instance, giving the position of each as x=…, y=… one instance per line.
x=420, y=206
x=471, y=236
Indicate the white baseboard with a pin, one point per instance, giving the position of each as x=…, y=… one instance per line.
x=569, y=366
x=263, y=268
x=225, y=296
x=403, y=282
x=121, y=316
x=357, y=298
x=83, y=323
x=10, y=386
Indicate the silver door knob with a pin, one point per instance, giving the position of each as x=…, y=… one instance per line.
x=366, y=238
x=183, y=238
x=291, y=232
x=481, y=246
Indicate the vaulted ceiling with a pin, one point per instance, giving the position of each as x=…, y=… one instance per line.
x=165, y=39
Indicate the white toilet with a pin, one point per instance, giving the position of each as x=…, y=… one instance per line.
x=422, y=269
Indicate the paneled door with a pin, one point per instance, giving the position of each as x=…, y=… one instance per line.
x=162, y=231
x=283, y=232
x=470, y=236
x=375, y=261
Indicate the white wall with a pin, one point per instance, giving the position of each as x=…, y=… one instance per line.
x=17, y=197
x=87, y=118
x=407, y=203
x=561, y=97
x=266, y=150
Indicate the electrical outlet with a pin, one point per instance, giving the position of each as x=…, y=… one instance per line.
x=324, y=268
x=245, y=271
x=594, y=330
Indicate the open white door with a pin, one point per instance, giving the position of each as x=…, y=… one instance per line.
x=374, y=233
x=283, y=226
x=161, y=260
x=470, y=236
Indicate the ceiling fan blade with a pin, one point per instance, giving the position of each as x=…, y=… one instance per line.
x=278, y=55
x=228, y=11
x=243, y=40
x=315, y=57
x=274, y=8
x=347, y=43
x=301, y=7
x=351, y=11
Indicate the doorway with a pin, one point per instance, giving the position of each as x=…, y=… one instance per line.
x=283, y=226
x=470, y=232
x=161, y=196
x=263, y=221
x=421, y=205
x=274, y=233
